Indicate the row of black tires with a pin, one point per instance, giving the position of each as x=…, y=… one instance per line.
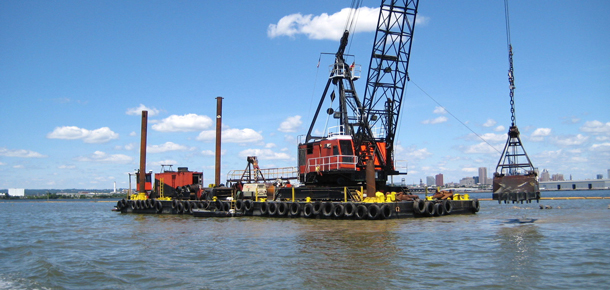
x=440, y=207
x=140, y=204
x=295, y=209
x=326, y=210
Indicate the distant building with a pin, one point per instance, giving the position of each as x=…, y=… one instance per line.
x=16, y=192
x=483, y=175
x=600, y=176
x=545, y=176
x=608, y=173
x=467, y=181
x=576, y=184
x=430, y=181
x=557, y=177
x=439, y=179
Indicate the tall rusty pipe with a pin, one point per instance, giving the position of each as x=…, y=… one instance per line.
x=218, y=139
x=142, y=176
x=370, y=177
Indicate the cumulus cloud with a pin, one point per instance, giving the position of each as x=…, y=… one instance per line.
x=470, y=169
x=438, y=120
x=232, y=136
x=570, y=140
x=129, y=146
x=264, y=154
x=208, y=153
x=101, y=135
x=291, y=124
x=418, y=153
x=439, y=110
x=20, y=153
x=324, y=26
x=600, y=147
x=183, y=123
x=540, y=133
x=167, y=146
x=102, y=157
x=483, y=148
x=500, y=128
x=164, y=162
x=596, y=127
x=492, y=137
x=490, y=123
x=138, y=111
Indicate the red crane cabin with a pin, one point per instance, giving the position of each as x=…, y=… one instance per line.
x=335, y=153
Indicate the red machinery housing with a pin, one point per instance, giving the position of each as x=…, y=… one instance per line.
x=334, y=161
x=181, y=184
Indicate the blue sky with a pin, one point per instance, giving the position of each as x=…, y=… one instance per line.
x=74, y=76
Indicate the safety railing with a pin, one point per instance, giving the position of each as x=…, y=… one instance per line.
x=269, y=173
x=329, y=163
x=342, y=70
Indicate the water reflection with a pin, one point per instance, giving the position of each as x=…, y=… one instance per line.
x=347, y=254
x=517, y=257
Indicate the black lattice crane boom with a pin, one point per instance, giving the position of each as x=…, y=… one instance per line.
x=365, y=138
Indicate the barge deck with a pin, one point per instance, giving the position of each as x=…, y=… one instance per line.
x=298, y=209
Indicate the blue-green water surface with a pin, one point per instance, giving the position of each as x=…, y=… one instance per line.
x=84, y=245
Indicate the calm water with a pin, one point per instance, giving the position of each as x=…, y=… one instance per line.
x=84, y=245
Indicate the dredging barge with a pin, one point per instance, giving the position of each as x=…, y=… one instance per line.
x=306, y=209
x=344, y=172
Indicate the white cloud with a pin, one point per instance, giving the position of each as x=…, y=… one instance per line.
x=600, y=147
x=66, y=167
x=99, y=156
x=164, y=162
x=570, y=140
x=291, y=124
x=101, y=135
x=232, y=136
x=167, y=146
x=438, y=120
x=208, y=153
x=18, y=166
x=326, y=26
x=483, y=148
x=500, y=128
x=540, y=133
x=490, y=123
x=129, y=146
x=20, y=153
x=264, y=154
x=270, y=145
x=138, y=111
x=133, y=133
x=439, y=110
x=418, y=153
x=323, y=26
x=183, y=123
x=492, y=137
x=596, y=127
x=602, y=138
x=470, y=169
